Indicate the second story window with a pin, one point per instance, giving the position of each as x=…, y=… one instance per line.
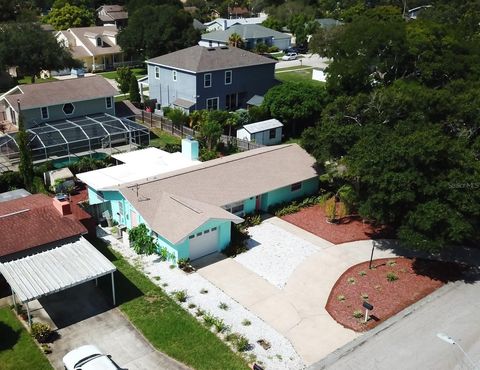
x=174, y=75
x=157, y=73
x=99, y=42
x=207, y=80
x=44, y=111
x=228, y=77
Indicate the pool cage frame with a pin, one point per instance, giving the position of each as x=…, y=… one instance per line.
x=81, y=134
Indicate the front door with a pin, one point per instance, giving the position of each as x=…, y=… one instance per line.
x=258, y=202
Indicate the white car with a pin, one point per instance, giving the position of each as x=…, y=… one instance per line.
x=290, y=56
x=87, y=357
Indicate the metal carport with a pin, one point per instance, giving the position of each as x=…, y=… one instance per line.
x=54, y=270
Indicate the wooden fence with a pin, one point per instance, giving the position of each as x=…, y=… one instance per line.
x=154, y=120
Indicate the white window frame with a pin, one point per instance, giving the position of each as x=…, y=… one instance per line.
x=41, y=113
x=229, y=72
x=174, y=75
x=205, y=80
x=157, y=72
x=218, y=103
x=107, y=99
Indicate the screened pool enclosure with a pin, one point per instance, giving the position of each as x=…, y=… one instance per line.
x=81, y=134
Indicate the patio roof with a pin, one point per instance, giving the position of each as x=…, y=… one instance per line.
x=55, y=270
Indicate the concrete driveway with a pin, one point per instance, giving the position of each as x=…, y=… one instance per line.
x=298, y=309
x=83, y=316
x=312, y=60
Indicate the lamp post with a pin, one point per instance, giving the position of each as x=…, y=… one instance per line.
x=448, y=339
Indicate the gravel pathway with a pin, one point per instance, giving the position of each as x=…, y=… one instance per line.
x=281, y=354
x=274, y=253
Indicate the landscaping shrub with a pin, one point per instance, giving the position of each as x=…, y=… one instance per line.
x=362, y=273
x=239, y=341
x=203, y=291
x=391, y=276
x=286, y=208
x=273, y=49
x=357, y=314
x=199, y=312
x=246, y=322
x=364, y=296
x=219, y=325
x=223, y=306
x=180, y=295
x=238, y=241
x=41, y=332
x=341, y=297
x=252, y=220
x=141, y=240
x=351, y=280
x=209, y=319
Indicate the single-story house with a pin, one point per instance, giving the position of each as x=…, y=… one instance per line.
x=190, y=211
x=112, y=15
x=251, y=34
x=267, y=132
x=63, y=99
x=96, y=47
x=223, y=24
x=138, y=166
x=221, y=78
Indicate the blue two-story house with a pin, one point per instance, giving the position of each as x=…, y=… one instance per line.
x=222, y=78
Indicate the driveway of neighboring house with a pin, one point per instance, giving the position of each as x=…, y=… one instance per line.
x=83, y=316
x=312, y=60
x=286, y=279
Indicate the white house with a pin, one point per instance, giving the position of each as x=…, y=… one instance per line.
x=267, y=132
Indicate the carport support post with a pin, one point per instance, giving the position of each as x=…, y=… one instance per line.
x=14, y=301
x=113, y=290
x=28, y=315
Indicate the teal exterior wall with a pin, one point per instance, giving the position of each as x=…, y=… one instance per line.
x=93, y=196
x=285, y=194
x=55, y=112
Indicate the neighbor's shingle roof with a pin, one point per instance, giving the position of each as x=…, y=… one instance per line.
x=113, y=12
x=220, y=182
x=246, y=31
x=201, y=59
x=90, y=47
x=60, y=92
x=33, y=221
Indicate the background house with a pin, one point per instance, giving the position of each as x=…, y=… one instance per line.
x=115, y=15
x=57, y=100
x=251, y=34
x=196, y=78
x=193, y=221
x=223, y=24
x=267, y=132
x=96, y=47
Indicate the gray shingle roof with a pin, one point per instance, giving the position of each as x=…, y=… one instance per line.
x=247, y=31
x=60, y=92
x=201, y=59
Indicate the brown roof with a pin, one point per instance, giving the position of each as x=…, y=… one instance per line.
x=223, y=181
x=33, y=221
x=60, y=92
x=200, y=59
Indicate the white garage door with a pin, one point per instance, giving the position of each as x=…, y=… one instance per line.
x=203, y=243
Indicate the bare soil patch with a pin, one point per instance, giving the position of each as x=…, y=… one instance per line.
x=348, y=229
x=390, y=286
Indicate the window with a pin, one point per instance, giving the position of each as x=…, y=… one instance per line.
x=210, y=44
x=214, y=228
x=108, y=102
x=68, y=108
x=157, y=73
x=212, y=104
x=272, y=133
x=296, y=186
x=199, y=234
x=44, y=111
x=99, y=41
x=207, y=80
x=191, y=237
x=206, y=231
x=174, y=75
x=228, y=77
x=236, y=208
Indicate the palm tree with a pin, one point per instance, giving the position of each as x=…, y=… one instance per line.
x=235, y=40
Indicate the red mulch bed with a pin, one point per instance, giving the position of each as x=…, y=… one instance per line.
x=349, y=228
x=416, y=279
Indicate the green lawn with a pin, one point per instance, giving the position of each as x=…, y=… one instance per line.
x=162, y=138
x=138, y=72
x=165, y=324
x=278, y=54
x=26, y=80
x=17, y=348
x=295, y=74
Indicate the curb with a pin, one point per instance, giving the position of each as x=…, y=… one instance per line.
x=357, y=342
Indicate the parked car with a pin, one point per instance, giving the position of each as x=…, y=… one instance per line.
x=87, y=357
x=290, y=56
x=291, y=49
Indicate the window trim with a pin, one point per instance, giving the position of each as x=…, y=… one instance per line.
x=231, y=77
x=106, y=102
x=41, y=113
x=205, y=80
x=97, y=43
x=68, y=114
x=174, y=75
x=157, y=72
x=296, y=186
x=215, y=98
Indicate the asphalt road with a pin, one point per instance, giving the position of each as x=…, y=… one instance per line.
x=412, y=343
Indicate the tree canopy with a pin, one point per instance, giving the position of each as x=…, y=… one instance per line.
x=157, y=30
x=70, y=16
